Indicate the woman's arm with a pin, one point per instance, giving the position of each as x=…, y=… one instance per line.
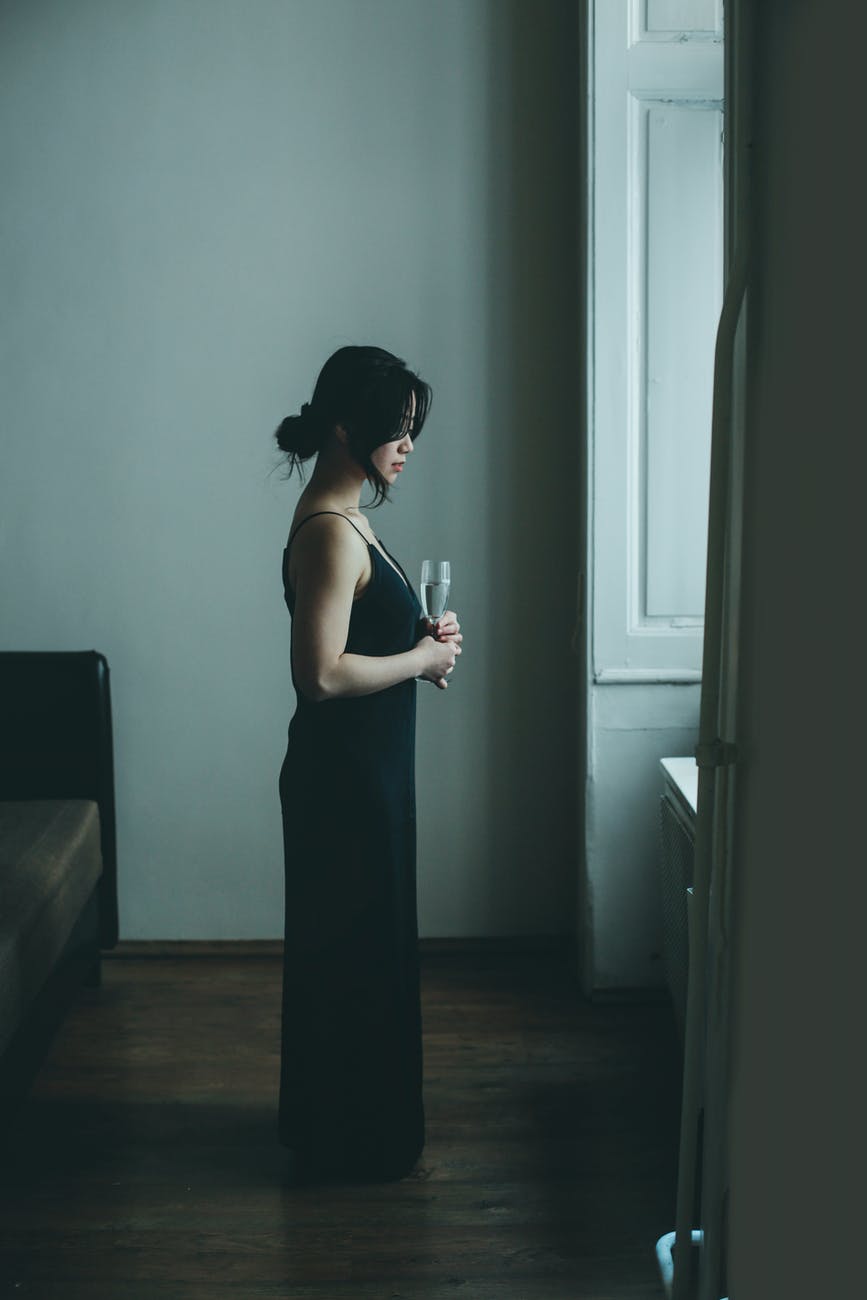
x=329, y=560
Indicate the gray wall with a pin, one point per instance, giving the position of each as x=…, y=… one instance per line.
x=203, y=199
x=799, y=1065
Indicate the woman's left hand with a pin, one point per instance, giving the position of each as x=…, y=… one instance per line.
x=446, y=628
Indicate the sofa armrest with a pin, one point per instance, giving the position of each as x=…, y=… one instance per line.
x=56, y=743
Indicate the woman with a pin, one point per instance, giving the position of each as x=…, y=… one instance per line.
x=351, y=1058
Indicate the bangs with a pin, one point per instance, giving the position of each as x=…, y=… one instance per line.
x=412, y=386
x=422, y=405
x=386, y=412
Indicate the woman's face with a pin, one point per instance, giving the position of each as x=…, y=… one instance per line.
x=389, y=457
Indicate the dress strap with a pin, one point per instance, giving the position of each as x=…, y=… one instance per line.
x=326, y=512
x=396, y=561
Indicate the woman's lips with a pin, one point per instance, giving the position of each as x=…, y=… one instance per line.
x=396, y=466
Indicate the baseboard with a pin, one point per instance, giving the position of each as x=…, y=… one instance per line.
x=139, y=948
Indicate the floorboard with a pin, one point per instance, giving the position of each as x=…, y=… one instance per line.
x=145, y=1161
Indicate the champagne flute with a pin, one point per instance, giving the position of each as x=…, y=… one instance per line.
x=435, y=583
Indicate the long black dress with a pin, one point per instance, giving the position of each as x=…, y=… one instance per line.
x=351, y=1051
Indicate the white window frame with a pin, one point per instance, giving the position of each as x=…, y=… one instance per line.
x=634, y=67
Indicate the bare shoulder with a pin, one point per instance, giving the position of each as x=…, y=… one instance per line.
x=324, y=541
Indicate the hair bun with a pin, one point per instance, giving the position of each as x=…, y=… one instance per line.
x=299, y=435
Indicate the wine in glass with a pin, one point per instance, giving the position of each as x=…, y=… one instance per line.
x=435, y=582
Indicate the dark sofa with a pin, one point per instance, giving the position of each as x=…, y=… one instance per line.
x=58, y=862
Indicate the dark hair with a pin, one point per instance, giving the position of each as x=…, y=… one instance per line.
x=368, y=392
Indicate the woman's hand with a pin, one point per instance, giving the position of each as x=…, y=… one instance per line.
x=437, y=659
x=443, y=635
x=446, y=628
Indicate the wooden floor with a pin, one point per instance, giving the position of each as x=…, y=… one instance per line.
x=145, y=1162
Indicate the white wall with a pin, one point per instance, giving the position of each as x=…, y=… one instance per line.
x=630, y=729
x=202, y=199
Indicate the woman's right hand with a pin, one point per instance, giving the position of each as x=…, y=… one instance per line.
x=437, y=659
